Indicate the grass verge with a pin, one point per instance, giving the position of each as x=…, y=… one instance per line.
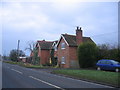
x=27, y=65
x=110, y=78
x=11, y=62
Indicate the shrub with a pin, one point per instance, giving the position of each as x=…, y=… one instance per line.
x=108, y=52
x=14, y=54
x=53, y=58
x=36, y=59
x=87, y=54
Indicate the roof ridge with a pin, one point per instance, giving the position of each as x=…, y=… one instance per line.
x=45, y=41
x=69, y=34
x=86, y=37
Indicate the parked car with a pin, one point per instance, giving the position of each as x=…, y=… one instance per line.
x=105, y=64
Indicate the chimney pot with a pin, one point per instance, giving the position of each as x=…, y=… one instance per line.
x=80, y=28
x=77, y=27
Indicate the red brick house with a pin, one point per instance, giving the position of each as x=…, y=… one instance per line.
x=67, y=49
x=44, y=50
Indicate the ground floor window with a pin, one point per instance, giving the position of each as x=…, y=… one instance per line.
x=62, y=60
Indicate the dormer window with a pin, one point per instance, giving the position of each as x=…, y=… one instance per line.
x=62, y=45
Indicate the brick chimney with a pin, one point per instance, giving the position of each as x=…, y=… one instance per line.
x=43, y=40
x=78, y=35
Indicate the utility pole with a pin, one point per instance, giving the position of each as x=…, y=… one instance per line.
x=18, y=49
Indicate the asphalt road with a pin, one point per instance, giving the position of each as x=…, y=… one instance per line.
x=14, y=76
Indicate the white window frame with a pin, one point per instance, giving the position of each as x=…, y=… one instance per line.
x=55, y=47
x=63, y=60
x=62, y=45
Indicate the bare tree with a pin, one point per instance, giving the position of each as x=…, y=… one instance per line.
x=30, y=46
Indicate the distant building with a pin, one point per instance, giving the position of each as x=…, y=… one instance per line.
x=22, y=59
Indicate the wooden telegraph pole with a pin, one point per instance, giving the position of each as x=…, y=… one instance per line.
x=18, y=49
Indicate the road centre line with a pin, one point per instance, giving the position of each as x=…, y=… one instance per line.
x=17, y=71
x=46, y=83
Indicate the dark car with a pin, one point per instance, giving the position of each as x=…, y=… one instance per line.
x=105, y=64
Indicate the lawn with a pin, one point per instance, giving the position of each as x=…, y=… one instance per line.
x=92, y=75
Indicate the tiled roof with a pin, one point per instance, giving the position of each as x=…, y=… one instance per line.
x=87, y=39
x=46, y=45
x=71, y=39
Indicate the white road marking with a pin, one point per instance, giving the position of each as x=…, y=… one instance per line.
x=17, y=71
x=85, y=81
x=46, y=83
x=62, y=77
x=8, y=67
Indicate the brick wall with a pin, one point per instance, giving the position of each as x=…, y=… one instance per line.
x=70, y=54
x=63, y=53
x=45, y=56
x=73, y=57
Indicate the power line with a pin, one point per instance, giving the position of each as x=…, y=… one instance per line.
x=106, y=38
x=104, y=34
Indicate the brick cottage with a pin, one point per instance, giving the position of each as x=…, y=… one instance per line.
x=67, y=49
x=44, y=48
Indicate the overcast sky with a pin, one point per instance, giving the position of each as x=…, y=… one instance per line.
x=32, y=21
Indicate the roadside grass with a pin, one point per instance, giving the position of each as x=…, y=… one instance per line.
x=11, y=62
x=31, y=66
x=27, y=65
x=104, y=77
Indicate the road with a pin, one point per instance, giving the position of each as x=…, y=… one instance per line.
x=15, y=76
